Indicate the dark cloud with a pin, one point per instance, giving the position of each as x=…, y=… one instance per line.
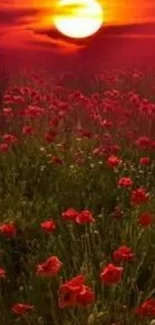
x=109, y=40
x=59, y=45
x=50, y=39
x=16, y=17
x=134, y=30
x=130, y=29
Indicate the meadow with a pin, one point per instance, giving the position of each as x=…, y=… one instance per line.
x=77, y=199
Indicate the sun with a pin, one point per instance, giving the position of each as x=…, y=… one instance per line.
x=78, y=19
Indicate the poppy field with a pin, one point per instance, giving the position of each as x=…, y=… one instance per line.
x=77, y=199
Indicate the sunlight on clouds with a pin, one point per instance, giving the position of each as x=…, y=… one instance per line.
x=28, y=3
x=30, y=40
x=23, y=19
x=115, y=11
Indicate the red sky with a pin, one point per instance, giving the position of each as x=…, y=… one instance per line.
x=23, y=23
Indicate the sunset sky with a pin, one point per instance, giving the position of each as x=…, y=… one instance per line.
x=23, y=24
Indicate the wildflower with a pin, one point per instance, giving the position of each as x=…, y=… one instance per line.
x=84, y=217
x=4, y=147
x=107, y=123
x=145, y=161
x=50, y=267
x=7, y=112
x=21, y=309
x=56, y=160
x=139, y=196
x=111, y=274
x=125, y=182
x=70, y=214
x=85, y=297
x=113, y=149
x=143, y=142
x=9, y=138
x=34, y=111
x=48, y=226
x=147, y=308
x=123, y=253
x=54, y=122
x=75, y=293
x=27, y=130
x=69, y=290
x=2, y=273
x=50, y=136
x=8, y=229
x=145, y=219
x=113, y=161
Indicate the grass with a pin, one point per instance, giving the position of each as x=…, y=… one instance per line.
x=55, y=147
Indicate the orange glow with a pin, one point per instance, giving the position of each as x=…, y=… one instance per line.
x=29, y=22
x=78, y=19
x=116, y=12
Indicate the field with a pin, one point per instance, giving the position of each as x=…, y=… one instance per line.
x=77, y=199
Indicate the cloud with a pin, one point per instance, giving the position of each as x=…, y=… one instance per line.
x=28, y=28
x=28, y=39
x=57, y=45
x=130, y=29
x=16, y=17
x=52, y=36
x=133, y=30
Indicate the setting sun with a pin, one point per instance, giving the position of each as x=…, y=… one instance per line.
x=78, y=19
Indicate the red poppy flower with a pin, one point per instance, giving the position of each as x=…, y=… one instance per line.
x=139, y=196
x=143, y=142
x=4, y=147
x=147, y=308
x=70, y=214
x=69, y=290
x=145, y=161
x=7, y=112
x=50, y=136
x=114, y=161
x=107, y=123
x=111, y=274
x=85, y=297
x=9, y=138
x=21, y=309
x=56, y=160
x=75, y=293
x=50, y=267
x=125, y=182
x=8, y=229
x=145, y=219
x=2, y=273
x=84, y=217
x=48, y=226
x=123, y=253
x=34, y=111
x=27, y=130
x=75, y=284
x=52, y=123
